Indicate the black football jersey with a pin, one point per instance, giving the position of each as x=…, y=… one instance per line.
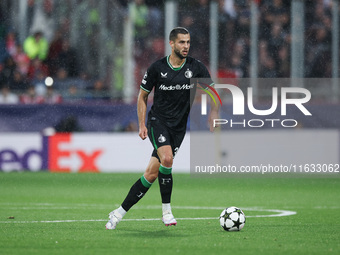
x=172, y=87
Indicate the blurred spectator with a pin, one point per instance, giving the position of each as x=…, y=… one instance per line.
x=67, y=125
x=31, y=97
x=155, y=19
x=226, y=24
x=269, y=69
x=19, y=83
x=36, y=68
x=67, y=59
x=83, y=81
x=157, y=48
x=201, y=24
x=139, y=15
x=42, y=18
x=22, y=60
x=235, y=66
x=53, y=52
x=48, y=7
x=3, y=28
x=123, y=3
x=275, y=41
x=2, y=77
x=263, y=55
x=8, y=69
x=99, y=90
x=72, y=95
x=229, y=7
x=7, y=97
x=30, y=13
x=319, y=13
x=188, y=21
x=36, y=46
x=39, y=83
x=275, y=12
x=242, y=27
x=51, y=96
x=148, y=20
x=11, y=43
x=318, y=54
x=3, y=52
x=283, y=62
x=318, y=41
x=239, y=59
x=62, y=82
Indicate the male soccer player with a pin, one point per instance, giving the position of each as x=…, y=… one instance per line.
x=167, y=120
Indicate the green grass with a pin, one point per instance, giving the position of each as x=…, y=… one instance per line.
x=29, y=197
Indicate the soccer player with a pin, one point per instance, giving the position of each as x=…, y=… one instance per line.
x=167, y=120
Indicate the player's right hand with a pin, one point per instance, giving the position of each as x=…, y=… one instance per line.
x=143, y=132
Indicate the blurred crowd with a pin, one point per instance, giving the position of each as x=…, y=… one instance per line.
x=47, y=69
x=274, y=37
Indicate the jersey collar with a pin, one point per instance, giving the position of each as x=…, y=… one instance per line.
x=177, y=68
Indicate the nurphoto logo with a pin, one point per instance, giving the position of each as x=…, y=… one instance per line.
x=239, y=99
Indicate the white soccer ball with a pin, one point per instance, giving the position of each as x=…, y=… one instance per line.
x=232, y=219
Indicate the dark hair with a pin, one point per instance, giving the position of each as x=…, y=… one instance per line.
x=177, y=30
x=38, y=33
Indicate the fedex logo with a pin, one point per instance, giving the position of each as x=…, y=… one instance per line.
x=55, y=155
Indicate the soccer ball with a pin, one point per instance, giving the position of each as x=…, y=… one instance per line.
x=232, y=219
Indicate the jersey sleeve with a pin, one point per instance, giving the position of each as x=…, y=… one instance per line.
x=149, y=79
x=204, y=74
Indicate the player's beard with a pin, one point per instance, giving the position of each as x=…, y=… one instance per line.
x=178, y=53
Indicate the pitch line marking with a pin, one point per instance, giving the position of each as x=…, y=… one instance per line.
x=59, y=206
x=101, y=220
x=279, y=213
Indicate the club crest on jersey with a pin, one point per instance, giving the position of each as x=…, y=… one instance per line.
x=161, y=138
x=188, y=74
x=164, y=75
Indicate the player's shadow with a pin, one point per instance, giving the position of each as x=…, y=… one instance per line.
x=168, y=233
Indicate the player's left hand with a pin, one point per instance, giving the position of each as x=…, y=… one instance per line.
x=143, y=132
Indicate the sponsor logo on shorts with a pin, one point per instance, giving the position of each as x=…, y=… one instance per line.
x=161, y=138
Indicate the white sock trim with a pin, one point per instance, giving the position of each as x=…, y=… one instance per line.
x=121, y=211
x=166, y=208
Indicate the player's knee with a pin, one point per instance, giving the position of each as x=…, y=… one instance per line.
x=166, y=160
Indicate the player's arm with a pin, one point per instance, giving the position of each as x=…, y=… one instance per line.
x=214, y=108
x=141, y=112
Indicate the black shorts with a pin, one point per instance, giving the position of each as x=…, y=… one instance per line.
x=161, y=135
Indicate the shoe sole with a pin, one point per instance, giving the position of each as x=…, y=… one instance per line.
x=170, y=224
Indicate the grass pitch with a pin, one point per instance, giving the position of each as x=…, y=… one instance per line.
x=44, y=213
